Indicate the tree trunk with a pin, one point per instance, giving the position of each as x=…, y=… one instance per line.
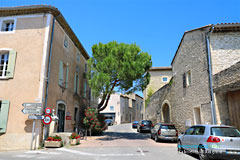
x=107, y=97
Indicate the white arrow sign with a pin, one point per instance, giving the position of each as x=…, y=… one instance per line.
x=32, y=104
x=32, y=111
x=35, y=117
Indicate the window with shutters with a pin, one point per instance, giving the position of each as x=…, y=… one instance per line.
x=76, y=83
x=7, y=63
x=8, y=25
x=78, y=57
x=65, y=42
x=85, y=89
x=63, y=74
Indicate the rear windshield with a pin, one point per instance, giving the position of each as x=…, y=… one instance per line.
x=225, y=131
x=168, y=127
x=146, y=122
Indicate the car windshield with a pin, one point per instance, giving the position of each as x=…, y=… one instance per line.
x=146, y=122
x=225, y=131
x=168, y=127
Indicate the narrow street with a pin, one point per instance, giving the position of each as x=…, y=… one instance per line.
x=120, y=142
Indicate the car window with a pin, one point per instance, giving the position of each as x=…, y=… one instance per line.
x=190, y=131
x=225, y=131
x=199, y=130
x=146, y=122
x=168, y=127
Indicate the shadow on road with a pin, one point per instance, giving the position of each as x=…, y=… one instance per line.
x=109, y=136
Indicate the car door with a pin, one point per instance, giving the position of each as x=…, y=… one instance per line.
x=197, y=137
x=186, y=140
x=154, y=130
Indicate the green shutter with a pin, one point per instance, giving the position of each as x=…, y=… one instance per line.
x=11, y=64
x=4, y=115
x=75, y=84
x=78, y=83
x=66, y=83
x=60, y=80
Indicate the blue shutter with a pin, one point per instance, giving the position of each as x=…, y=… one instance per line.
x=4, y=108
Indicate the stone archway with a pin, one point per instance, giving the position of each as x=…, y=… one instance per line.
x=166, y=112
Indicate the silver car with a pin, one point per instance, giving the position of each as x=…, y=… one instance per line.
x=164, y=131
x=211, y=142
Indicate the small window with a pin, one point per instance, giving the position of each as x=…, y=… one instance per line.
x=200, y=130
x=65, y=42
x=7, y=26
x=111, y=108
x=165, y=79
x=190, y=131
x=188, y=78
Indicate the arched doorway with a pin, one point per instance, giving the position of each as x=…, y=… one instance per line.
x=166, y=113
x=61, y=115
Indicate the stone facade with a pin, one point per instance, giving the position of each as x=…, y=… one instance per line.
x=186, y=100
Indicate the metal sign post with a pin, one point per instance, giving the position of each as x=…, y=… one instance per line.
x=33, y=129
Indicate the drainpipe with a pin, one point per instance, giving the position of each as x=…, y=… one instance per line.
x=213, y=109
x=48, y=72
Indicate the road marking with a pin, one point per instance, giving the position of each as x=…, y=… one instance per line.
x=100, y=155
x=43, y=152
x=141, y=151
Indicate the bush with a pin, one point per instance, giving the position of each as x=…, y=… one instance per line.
x=93, y=121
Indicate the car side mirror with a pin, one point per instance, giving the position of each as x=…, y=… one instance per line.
x=182, y=133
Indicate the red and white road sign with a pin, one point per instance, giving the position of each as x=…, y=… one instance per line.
x=48, y=110
x=47, y=119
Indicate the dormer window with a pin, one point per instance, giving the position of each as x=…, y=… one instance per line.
x=7, y=25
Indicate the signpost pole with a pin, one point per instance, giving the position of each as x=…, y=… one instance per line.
x=33, y=129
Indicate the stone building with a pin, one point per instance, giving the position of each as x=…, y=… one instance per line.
x=42, y=61
x=124, y=108
x=159, y=76
x=194, y=96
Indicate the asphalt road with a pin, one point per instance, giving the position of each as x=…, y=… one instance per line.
x=120, y=142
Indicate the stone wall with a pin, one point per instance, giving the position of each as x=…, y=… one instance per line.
x=225, y=50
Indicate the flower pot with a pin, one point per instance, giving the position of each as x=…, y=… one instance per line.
x=55, y=144
x=74, y=141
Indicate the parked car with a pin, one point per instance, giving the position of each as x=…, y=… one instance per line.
x=135, y=124
x=109, y=122
x=144, y=125
x=163, y=131
x=211, y=141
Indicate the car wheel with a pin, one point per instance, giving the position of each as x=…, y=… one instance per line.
x=156, y=138
x=202, y=154
x=179, y=145
x=140, y=131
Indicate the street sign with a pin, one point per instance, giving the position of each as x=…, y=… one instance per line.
x=35, y=117
x=30, y=110
x=47, y=119
x=32, y=104
x=48, y=110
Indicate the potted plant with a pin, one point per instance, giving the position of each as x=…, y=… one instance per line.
x=53, y=141
x=74, y=139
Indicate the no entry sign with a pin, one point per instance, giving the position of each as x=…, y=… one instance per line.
x=47, y=119
x=48, y=110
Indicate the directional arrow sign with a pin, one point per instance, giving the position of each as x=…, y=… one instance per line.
x=32, y=111
x=32, y=104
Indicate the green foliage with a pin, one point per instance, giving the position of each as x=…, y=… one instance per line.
x=117, y=65
x=93, y=121
x=149, y=94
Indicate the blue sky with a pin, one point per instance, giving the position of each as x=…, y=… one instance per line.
x=155, y=25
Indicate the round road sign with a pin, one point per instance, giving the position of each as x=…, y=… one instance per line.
x=48, y=110
x=47, y=119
